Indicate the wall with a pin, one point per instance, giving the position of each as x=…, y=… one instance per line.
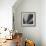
x=43, y=22
x=6, y=13
x=33, y=33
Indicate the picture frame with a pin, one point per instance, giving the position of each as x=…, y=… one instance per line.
x=28, y=19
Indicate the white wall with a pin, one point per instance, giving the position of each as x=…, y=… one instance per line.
x=6, y=13
x=33, y=33
x=38, y=33
x=43, y=22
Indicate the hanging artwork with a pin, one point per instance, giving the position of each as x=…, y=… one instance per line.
x=28, y=19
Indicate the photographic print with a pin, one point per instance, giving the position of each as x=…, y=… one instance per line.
x=28, y=18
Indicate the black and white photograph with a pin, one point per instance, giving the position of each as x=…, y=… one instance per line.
x=28, y=18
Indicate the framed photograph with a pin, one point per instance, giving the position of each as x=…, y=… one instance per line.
x=28, y=19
